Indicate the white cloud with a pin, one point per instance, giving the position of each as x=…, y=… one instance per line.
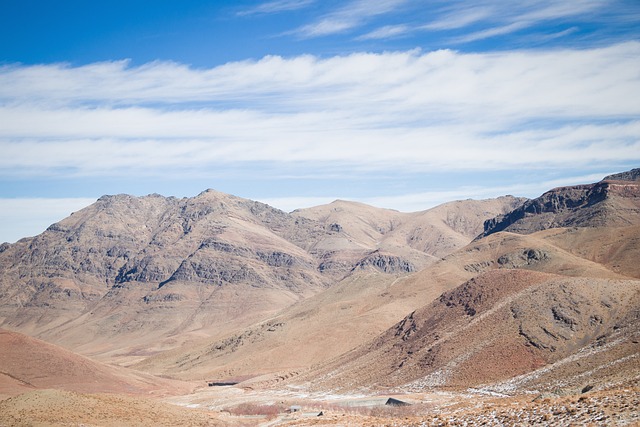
x=349, y=16
x=495, y=18
x=406, y=111
x=277, y=6
x=482, y=19
x=387, y=32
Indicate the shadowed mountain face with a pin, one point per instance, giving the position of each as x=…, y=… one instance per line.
x=612, y=202
x=147, y=273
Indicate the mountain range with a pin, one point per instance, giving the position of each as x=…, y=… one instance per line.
x=507, y=295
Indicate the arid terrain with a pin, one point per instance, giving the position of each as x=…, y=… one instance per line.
x=217, y=310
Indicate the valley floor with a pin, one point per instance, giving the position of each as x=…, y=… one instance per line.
x=617, y=407
x=240, y=407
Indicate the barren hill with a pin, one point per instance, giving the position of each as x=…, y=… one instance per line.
x=501, y=325
x=364, y=305
x=132, y=276
x=151, y=267
x=397, y=242
x=28, y=364
x=612, y=202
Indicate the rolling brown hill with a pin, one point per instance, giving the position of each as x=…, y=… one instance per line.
x=524, y=329
x=417, y=238
x=132, y=276
x=361, y=307
x=534, y=303
x=28, y=364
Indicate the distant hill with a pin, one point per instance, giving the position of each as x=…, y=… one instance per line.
x=144, y=274
x=364, y=305
x=612, y=202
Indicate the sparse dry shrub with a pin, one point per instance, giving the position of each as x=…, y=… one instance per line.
x=419, y=409
x=270, y=411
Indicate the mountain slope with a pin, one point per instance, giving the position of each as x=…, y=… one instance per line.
x=361, y=307
x=398, y=242
x=612, y=202
x=131, y=276
x=28, y=364
x=497, y=326
x=151, y=267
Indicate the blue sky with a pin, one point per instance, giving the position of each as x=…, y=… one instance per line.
x=396, y=103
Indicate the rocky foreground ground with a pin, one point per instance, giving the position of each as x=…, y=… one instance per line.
x=607, y=408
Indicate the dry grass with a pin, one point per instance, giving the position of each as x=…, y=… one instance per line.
x=255, y=409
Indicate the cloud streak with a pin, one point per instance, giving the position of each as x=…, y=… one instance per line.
x=409, y=111
x=348, y=17
x=277, y=6
x=459, y=22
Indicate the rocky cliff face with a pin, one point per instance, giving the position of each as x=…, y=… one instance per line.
x=614, y=202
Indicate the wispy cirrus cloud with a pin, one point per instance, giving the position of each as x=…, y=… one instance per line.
x=459, y=22
x=388, y=31
x=348, y=17
x=498, y=20
x=276, y=6
x=410, y=111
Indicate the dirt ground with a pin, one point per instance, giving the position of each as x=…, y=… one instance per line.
x=231, y=406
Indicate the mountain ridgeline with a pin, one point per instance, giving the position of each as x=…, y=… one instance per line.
x=507, y=294
x=610, y=202
x=149, y=268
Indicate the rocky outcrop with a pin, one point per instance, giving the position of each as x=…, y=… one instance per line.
x=615, y=201
x=386, y=263
x=632, y=175
x=524, y=258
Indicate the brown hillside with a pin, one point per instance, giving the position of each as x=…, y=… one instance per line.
x=132, y=276
x=616, y=248
x=358, y=309
x=497, y=326
x=28, y=364
x=612, y=202
x=417, y=238
x=142, y=270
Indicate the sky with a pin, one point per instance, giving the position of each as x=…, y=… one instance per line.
x=401, y=104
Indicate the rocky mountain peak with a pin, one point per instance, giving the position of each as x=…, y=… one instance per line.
x=632, y=175
x=614, y=201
